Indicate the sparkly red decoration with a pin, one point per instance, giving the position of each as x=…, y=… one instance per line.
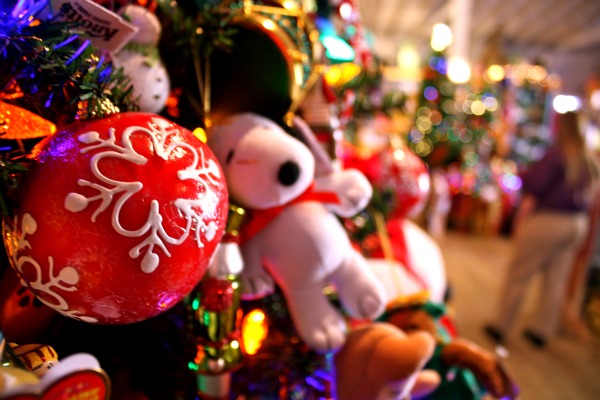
x=216, y=294
x=406, y=174
x=118, y=218
x=22, y=317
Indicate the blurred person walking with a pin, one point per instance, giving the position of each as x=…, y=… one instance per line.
x=550, y=227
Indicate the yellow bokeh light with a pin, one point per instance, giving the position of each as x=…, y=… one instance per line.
x=478, y=108
x=340, y=74
x=459, y=70
x=399, y=154
x=289, y=5
x=441, y=37
x=268, y=25
x=423, y=113
x=424, y=125
x=495, y=73
x=254, y=331
x=200, y=134
x=536, y=73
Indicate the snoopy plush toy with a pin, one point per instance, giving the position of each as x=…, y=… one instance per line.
x=292, y=236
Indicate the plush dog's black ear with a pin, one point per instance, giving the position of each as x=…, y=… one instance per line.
x=301, y=131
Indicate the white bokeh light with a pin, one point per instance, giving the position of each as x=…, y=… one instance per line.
x=565, y=103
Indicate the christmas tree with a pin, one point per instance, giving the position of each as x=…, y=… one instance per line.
x=114, y=219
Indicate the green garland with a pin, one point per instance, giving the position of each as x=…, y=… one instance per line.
x=50, y=71
x=46, y=68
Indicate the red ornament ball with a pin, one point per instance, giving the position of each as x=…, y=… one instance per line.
x=405, y=174
x=118, y=218
x=217, y=294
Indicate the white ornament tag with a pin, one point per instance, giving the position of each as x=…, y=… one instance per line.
x=104, y=28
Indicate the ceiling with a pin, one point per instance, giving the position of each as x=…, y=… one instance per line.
x=562, y=34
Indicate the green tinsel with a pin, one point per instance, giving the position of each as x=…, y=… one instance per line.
x=49, y=70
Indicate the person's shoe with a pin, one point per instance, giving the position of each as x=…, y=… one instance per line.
x=535, y=339
x=494, y=333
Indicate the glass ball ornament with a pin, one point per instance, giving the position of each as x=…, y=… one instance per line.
x=405, y=175
x=117, y=219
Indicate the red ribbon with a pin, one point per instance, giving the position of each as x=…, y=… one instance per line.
x=259, y=219
x=401, y=251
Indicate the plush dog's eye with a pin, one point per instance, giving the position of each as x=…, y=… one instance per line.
x=229, y=157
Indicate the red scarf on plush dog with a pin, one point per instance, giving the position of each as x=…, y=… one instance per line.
x=257, y=220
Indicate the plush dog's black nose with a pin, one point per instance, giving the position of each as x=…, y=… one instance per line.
x=288, y=173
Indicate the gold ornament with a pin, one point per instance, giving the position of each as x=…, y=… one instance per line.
x=287, y=25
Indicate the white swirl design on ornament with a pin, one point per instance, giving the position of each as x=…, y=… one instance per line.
x=66, y=279
x=201, y=169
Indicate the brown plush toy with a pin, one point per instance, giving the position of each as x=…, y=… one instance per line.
x=467, y=371
x=380, y=361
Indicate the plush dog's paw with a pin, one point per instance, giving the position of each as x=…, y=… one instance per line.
x=256, y=286
x=353, y=189
x=324, y=335
x=371, y=306
x=361, y=295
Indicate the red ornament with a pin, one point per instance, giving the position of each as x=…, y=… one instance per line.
x=217, y=294
x=23, y=318
x=406, y=174
x=118, y=218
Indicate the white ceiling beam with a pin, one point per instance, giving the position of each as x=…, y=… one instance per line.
x=496, y=14
x=392, y=15
x=439, y=14
x=532, y=13
x=582, y=17
x=539, y=29
x=581, y=39
x=488, y=15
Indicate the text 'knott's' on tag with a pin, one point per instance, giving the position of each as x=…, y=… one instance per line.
x=103, y=27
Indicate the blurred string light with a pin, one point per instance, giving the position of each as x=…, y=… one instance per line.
x=595, y=99
x=441, y=37
x=479, y=104
x=409, y=62
x=439, y=64
x=494, y=73
x=430, y=93
x=505, y=173
x=337, y=49
x=432, y=127
x=510, y=182
x=456, y=67
x=592, y=136
x=459, y=70
x=346, y=10
x=255, y=328
x=477, y=177
x=338, y=75
x=522, y=74
x=566, y=103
